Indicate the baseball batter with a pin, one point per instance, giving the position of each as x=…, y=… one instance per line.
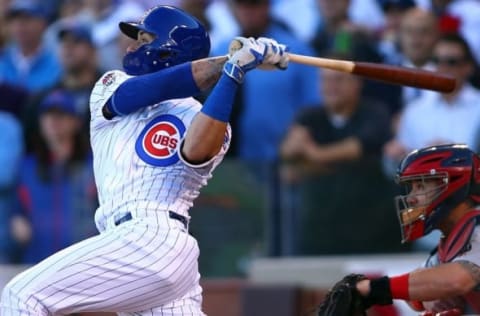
x=442, y=192
x=154, y=148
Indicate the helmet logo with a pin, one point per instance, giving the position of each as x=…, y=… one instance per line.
x=158, y=142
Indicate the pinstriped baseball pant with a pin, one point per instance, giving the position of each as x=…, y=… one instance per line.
x=146, y=266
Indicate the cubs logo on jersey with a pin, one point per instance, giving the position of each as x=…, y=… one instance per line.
x=158, y=142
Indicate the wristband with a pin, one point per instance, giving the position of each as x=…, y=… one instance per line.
x=219, y=103
x=399, y=287
x=380, y=293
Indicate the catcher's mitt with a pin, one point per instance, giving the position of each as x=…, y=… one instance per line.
x=343, y=298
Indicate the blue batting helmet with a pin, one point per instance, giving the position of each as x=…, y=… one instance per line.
x=179, y=38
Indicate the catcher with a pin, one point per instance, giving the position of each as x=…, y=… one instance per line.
x=442, y=190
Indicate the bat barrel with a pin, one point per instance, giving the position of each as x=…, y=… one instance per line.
x=405, y=76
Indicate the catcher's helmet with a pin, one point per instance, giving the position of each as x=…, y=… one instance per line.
x=456, y=170
x=179, y=38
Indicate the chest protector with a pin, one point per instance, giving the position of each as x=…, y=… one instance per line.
x=457, y=243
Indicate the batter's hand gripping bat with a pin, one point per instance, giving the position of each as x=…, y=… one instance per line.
x=387, y=73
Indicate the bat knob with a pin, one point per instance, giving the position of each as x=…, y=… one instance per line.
x=234, y=46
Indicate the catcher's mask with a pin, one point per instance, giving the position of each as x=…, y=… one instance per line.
x=436, y=179
x=179, y=38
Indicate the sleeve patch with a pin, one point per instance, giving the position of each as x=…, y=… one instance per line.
x=109, y=79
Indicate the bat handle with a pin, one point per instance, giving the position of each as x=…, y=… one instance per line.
x=333, y=64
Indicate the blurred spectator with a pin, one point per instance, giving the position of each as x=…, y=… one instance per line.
x=147, y=4
x=410, y=45
x=26, y=61
x=367, y=13
x=78, y=57
x=292, y=11
x=389, y=43
x=259, y=131
x=69, y=11
x=337, y=32
x=267, y=104
x=197, y=8
x=332, y=156
x=340, y=34
x=69, y=8
x=13, y=98
x=457, y=113
x=11, y=151
x=362, y=12
x=4, y=4
x=433, y=118
x=56, y=190
x=215, y=15
x=461, y=16
x=104, y=16
x=417, y=37
x=223, y=22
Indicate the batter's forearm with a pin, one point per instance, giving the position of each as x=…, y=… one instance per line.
x=207, y=71
x=204, y=139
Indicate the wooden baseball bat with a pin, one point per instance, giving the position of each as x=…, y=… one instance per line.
x=391, y=74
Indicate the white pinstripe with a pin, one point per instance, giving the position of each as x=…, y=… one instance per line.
x=136, y=266
x=145, y=266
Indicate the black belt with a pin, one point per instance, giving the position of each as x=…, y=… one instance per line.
x=172, y=215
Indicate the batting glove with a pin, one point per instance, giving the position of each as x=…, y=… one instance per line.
x=248, y=57
x=276, y=57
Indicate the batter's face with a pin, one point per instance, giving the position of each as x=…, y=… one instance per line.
x=142, y=39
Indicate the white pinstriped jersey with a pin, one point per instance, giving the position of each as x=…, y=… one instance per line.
x=137, y=161
x=147, y=265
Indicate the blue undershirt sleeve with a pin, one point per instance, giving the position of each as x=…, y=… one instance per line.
x=220, y=101
x=141, y=91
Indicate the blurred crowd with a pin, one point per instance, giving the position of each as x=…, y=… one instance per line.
x=323, y=144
